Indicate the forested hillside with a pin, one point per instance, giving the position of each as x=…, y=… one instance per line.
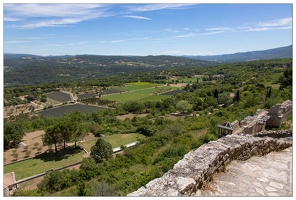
x=30, y=69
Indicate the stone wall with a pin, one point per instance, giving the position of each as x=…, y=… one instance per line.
x=198, y=166
x=273, y=117
x=279, y=113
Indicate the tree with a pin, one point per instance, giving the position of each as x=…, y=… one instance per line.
x=183, y=106
x=13, y=134
x=81, y=130
x=15, y=155
x=28, y=153
x=52, y=136
x=101, y=189
x=286, y=79
x=237, y=96
x=225, y=99
x=101, y=150
x=216, y=94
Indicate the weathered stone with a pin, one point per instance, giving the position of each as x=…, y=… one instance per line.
x=198, y=166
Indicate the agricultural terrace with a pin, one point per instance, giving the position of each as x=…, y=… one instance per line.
x=46, y=161
x=111, y=91
x=86, y=95
x=66, y=109
x=59, y=96
x=42, y=163
x=137, y=94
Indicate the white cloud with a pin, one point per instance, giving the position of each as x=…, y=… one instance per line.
x=49, y=15
x=160, y=6
x=278, y=24
x=212, y=33
x=137, y=17
x=184, y=36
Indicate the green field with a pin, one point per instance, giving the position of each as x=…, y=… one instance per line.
x=41, y=164
x=115, y=140
x=188, y=80
x=136, y=95
x=143, y=84
x=155, y=98
x=135, y=86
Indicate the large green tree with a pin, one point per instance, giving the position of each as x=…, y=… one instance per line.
x=101, y=150
x=183, y=106
x=52, y=136
x=13, y=134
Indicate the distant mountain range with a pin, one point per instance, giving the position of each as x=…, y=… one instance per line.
x=34, y=69
x=281, y=52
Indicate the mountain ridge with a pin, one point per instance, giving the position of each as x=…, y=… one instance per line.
x=280, y=52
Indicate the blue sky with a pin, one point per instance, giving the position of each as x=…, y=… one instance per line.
x=145, y=29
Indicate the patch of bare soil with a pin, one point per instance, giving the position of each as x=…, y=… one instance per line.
x=122, y=117
x=178, y=85
x=31, y=139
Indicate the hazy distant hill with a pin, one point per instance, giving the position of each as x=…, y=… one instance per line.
x=282, y=52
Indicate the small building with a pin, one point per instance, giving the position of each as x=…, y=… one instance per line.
x=224, y=129
x=10, y=184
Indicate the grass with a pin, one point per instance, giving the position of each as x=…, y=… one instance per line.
x=41, y=164
x=115, y=140
x=143, y=84
x=154, y=98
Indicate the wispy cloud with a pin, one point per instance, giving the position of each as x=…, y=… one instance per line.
x=278, y=24
x=212, y=33
x=219, y=29
x=184, y=36
x=49, y=15
x=152, y=7
x=137, y=17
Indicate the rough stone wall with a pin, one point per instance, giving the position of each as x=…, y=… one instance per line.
x=198, y=166
x=253, y=124
x=279, y=113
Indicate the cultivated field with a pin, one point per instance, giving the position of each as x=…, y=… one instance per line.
x=59, y=96
x=85, y=96
x=170, y=93
x=138, y=94
x=66, y=109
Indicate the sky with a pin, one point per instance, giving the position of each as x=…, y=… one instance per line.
x=168, y=28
